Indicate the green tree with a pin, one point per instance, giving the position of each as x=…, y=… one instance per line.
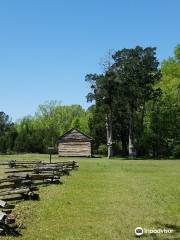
x=51, y=120
x=103, y=91
x=136, y=72
x=8, y=133
x=162, y=119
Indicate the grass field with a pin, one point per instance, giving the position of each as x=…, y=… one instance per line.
x=105, y=200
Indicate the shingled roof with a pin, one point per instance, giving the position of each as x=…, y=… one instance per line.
x=75, y=134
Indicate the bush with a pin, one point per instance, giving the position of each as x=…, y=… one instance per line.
x=102, y=149
x=176, y=151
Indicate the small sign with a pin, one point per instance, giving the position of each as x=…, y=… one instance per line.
x=51, y=149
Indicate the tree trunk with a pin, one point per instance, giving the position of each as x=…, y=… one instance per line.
x=109, y=134
x=140, y=146
x=124, y=146
x=131, y=148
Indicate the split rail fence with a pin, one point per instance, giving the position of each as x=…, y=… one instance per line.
x=22, y=181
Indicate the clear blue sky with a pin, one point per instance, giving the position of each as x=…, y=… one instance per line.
x=48, y=46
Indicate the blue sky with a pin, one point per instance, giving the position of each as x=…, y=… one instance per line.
x=48, y=46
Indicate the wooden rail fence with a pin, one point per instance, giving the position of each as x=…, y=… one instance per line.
x=22, y=181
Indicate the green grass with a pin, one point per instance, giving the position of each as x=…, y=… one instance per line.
x=105, y=200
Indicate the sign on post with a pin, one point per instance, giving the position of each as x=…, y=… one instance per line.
x=50, y=149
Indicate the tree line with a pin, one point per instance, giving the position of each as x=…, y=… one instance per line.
x=135, y=110
x=139, y=103
x=35, y=133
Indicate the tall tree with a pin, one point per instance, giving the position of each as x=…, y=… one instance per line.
x=103, y=92
x=136, y=72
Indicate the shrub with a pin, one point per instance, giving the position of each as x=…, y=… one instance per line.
x=102, y=149
x=176, y=151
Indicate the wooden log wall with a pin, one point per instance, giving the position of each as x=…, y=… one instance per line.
x=74, y=149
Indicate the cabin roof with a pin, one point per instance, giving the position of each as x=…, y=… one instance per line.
x=76, y=135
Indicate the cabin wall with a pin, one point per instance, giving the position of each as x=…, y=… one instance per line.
x=74, y=148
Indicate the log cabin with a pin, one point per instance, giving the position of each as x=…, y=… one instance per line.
x=75, y=143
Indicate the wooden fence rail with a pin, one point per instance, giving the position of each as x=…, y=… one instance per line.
x=21, y=183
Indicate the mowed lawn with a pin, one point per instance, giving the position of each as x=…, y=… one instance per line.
x=104, y=200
